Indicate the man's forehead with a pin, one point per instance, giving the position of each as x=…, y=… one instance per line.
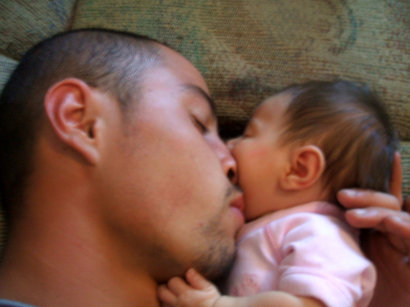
x=179, y=73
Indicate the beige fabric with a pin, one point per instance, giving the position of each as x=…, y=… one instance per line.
x=6, y=67
x=249, y=49
x=25, y=22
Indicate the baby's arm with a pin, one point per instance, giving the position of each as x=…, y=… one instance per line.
x=200, y=292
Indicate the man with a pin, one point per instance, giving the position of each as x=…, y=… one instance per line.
x=114, y=178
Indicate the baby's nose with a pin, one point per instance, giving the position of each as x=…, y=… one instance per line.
x=231, y=143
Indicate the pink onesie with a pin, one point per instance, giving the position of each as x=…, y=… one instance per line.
x=306, y=250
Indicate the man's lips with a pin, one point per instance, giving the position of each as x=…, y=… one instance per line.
x=238, y=203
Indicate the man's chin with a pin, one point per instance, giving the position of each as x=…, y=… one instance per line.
x=217, y=263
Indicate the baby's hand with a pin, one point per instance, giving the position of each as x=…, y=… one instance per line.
x=195, y=291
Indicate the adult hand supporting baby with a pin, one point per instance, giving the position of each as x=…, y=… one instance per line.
x=370, y=209
x=389, y=246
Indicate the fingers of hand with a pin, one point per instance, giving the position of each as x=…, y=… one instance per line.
x=385, y=220
x=364, y=218
x=178, y=286
x=197, y=281
x=396, y=178
x=395, y=225
x=356, y=198
x=399, y=225
x=166, y=296
x=173, y=292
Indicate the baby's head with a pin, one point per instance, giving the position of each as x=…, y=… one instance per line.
x=311, y=140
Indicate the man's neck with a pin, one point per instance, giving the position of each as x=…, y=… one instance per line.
x=70, y=267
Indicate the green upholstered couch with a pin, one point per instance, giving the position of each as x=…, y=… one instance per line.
x=246, y=49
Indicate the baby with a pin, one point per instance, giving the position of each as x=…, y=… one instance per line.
x=299, y=149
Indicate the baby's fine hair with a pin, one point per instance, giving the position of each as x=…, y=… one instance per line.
x=350, y=125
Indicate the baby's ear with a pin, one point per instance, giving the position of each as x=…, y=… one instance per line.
x=306, y=166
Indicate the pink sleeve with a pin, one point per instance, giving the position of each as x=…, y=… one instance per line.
x=321, y=259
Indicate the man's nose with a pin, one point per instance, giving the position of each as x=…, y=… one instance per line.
x=228, y=162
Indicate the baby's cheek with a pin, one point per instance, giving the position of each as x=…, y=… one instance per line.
x=259, y=153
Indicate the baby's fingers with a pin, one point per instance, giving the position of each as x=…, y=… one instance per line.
x=197, y=281
x=166, y=296
x=178, y=286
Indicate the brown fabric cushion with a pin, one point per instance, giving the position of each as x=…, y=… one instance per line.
x=6, y=67
x=25, y=22
x=405, y=161
x=248, y=49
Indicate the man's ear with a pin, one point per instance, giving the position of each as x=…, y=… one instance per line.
x=307, y=164
x=70, y=108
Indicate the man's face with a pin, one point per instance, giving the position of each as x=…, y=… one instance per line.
x=163, y=181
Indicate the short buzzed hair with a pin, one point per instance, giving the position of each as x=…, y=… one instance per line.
x=351, y=126
x=109, y=60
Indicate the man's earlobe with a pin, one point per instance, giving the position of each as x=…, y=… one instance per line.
x=307, y=165
x=71, y=113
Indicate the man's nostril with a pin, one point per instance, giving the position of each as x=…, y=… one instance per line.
x=231, y=174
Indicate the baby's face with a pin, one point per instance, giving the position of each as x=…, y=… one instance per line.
x=261, y=160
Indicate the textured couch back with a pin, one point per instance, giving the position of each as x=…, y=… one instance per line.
x=246, y=49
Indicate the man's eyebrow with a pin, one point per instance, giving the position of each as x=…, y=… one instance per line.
x=203, y=94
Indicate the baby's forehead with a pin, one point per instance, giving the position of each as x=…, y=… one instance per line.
x=271, y=112
x=274, y=105
x=283, y=98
